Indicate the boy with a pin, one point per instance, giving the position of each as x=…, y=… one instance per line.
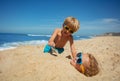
x=86, y=64
x=60, y=37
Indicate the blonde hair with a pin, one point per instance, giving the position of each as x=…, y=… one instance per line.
x=93, y=69
x=72, y=22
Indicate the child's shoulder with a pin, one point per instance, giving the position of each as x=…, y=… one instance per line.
x=58, y=29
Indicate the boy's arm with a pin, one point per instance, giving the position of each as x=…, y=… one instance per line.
x=72, y=47
x=51, y=40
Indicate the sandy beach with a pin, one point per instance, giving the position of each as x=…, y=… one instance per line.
x=29, y=63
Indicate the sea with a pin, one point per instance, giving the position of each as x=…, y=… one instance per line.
x=13, y=40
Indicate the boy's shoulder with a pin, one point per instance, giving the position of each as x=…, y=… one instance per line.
x=71, y=37
x=58, y=30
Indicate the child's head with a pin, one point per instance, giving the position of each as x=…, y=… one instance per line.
x=89, y=65
x=72, y=23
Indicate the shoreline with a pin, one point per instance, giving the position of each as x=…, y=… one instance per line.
x=30, y=63
x=14, y=45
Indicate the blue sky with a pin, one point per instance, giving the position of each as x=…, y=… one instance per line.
x=43, y=16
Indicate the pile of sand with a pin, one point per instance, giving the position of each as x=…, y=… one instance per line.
x=29, y=63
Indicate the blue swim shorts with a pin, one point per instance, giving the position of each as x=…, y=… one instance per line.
x=48, y=48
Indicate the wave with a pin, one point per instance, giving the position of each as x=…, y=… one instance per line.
x=78, y=37
x=6, y=48
x=13, y=45
x=38, y=35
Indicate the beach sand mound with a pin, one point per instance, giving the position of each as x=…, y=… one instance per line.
x=29, y=63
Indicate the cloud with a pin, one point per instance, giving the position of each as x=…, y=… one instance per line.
x=100, y=26
x=111, y=23
x=106, y=23
x=110, y=20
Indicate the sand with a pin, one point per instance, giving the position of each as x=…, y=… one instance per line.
x=29, y=63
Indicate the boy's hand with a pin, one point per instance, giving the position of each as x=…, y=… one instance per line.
x=69, y=57
x=52, y=44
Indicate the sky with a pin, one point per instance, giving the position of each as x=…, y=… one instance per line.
x=43, y=16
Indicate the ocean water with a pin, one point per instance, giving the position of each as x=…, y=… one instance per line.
x=11, y=41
